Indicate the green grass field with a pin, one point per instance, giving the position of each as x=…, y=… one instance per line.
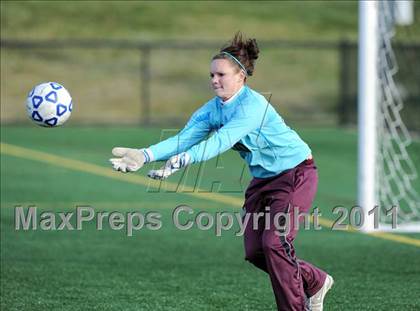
x=303, y=83
x=59, y=169
x=184, y=19
x=170, y=269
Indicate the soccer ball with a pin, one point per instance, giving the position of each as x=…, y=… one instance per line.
x=49, y=104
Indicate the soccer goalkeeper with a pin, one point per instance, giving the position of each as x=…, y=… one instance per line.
x=285, y=176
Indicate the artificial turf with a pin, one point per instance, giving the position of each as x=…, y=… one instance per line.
x=171, y=269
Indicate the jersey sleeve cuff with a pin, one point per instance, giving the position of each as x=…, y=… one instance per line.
x=148, y=155
x=191, y=158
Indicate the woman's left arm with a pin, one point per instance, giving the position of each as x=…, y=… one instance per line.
x=242, y=123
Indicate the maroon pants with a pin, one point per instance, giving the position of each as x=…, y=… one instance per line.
x=293, y=280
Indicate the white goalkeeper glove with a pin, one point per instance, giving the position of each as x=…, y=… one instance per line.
x=174, y=164
x=129, y=160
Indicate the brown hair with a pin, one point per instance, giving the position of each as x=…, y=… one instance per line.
x=244, y=50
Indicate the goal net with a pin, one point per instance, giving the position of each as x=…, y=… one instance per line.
x=387, y=175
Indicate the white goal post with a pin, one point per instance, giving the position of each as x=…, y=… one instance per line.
x=385, y=169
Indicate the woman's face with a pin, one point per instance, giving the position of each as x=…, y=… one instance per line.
x=226, y=78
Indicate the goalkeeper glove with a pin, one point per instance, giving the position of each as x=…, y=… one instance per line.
x=129, y=160
x=174, y=164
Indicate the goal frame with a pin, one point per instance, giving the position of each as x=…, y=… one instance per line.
x=368, y=110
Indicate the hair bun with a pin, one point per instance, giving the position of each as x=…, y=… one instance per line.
x=252, y=49
x=245, y=50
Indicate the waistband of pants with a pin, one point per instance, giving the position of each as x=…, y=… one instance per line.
x=308, y=161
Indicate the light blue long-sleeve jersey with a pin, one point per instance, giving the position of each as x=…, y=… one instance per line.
x=248, y=124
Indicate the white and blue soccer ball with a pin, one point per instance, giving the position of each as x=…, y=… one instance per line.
x=49, y=104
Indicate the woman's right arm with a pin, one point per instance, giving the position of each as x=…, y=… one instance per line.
x=131, y=159
x=197, y=128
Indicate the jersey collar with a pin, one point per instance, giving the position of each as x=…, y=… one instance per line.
x=223, y=103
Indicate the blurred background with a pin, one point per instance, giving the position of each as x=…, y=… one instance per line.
x=136, y=72
x=145, y=63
